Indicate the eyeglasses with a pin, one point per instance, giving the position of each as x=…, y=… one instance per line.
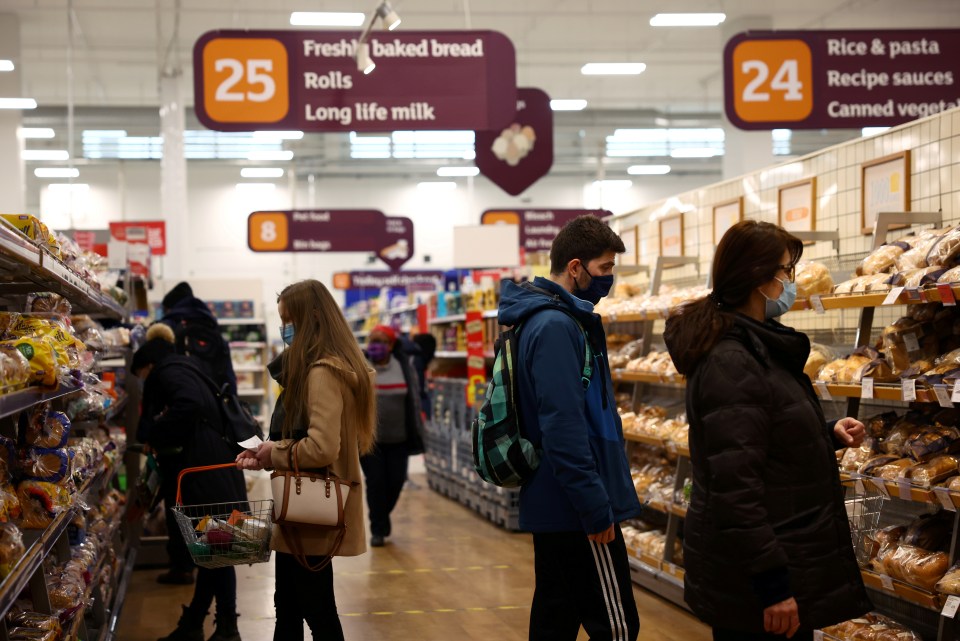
x=789, y=270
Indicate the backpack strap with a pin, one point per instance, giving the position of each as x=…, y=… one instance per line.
x=587, y=372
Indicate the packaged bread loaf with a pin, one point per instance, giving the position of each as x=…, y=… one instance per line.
x=813, y=279
x=882, y=259
x=916, y=256
x=939, y=439
x=894, y=469
x=819, y=356
x=934, y=471
x=945, y=251
x=854, y=457
x=917, y=278
x=880, y=425
x=951, y=276
x=950, y=583
x=931, y=532
x=871, y=466
x=919, y=567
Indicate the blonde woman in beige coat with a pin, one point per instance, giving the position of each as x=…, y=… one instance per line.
x=328, y=404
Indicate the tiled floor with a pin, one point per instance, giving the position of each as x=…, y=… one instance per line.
x=446, y=575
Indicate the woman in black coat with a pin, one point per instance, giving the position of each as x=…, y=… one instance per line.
x=767, y=543
x=180, y=421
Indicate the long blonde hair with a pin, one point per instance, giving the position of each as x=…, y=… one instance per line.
x=321, y=331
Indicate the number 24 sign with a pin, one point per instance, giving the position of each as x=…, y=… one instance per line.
x=772, y=81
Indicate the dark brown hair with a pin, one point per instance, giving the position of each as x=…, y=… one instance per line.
x=748, y=256
x=321, y=331
x=585, y=237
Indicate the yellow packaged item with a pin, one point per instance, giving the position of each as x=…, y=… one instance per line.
x=29, y=226
x=43, y=355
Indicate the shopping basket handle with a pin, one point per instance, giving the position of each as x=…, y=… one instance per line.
x=202, y=468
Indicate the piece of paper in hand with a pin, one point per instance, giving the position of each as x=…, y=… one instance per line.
x=252, y=443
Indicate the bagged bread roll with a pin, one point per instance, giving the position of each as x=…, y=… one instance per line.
x=894, y=469
x=935, y=471
x=873, y=465
x=916, y=256
x=917, y=278
x=813, y=279
x=921, y=568
x=882, y=259
x=819, y=356
x=910, y=426
x=945, y=251
x=931, y=442
x=951, y=276
x=950, y=583
x=854, y=457
x=880, y=425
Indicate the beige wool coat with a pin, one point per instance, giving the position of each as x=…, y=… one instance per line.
x=331, y=441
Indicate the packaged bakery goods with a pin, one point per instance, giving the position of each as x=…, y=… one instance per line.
x=945, y=251
x=930, y=532
x=935, y=440
x=41, y=502
x=882, y=259
x=49, y=465
x=15, y=371
x=910, y=426
x=879, y=426
x=48, y=303
x=871, y=466
x=951, y=276
x=44, y=358
x=916, y=256
x=906, y=340
x=918, y=566
x=894, y=469
x=854, y=457
x=11, y=548
x=950, y=583
x=934, y=471
x=34, y=621
x=819, y=356
x=45, y=429
x=813, y=279
x=917, y=278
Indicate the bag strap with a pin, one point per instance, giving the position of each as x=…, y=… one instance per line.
x=587, y=372
x=295, y=543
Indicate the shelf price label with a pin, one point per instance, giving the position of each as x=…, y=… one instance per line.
x=943, y=495
x=951, y=606
x=909, y=390
x=946, y=295
x=866, y=388
x=943, y=396
x=881, y=486
x=893, y=296
x=816, y=301
x=886, y=582
x=824, y=391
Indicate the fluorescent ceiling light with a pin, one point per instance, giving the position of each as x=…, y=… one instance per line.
x=648, y=170
x=872, y=131
x=104, y=133
x=613, y=184
x=470, y=155
x=390, y=18
x=279, y=135
x=270, y=155
x=69, y=187
x=56, y=172
x=568, y=105
x=450, y=172
x=687, y=19
x=261, y=172
x=326, y=19
x=6, y=65
x=364, y=62
x=255, y=188
x=694, y=152
x=437, y=186
x=18, y=103
x=613, y=68
x=45, y=154
x=36, y=132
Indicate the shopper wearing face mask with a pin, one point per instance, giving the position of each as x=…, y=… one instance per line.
x=399, y=429
x=582, y=489
x=766, y=539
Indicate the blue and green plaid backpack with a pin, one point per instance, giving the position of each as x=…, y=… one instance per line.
x=501, y=454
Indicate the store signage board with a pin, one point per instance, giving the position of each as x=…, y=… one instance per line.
x=308, y=81
x=839, y=79
x=424, y=280
x=519, y=155
x=538, y=227
x=327, y=231
x=483, y=246
x=148, y=232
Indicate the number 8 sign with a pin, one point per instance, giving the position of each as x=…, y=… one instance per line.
x=772, y=81
x=246, y=80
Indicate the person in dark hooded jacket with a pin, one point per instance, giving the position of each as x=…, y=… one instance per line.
x=582, y=490
x=767, y=544
x=180, y=421
x=198, y=334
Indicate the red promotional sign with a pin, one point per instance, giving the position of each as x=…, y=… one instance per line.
x=538, y=227
x=344, y=230
x=86, y=240
x=308, y=80
x=152, y=233
x=518, y=156
x=424, y=280
x=476, y=360
x=839, y=79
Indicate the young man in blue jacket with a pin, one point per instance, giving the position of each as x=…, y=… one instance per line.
x=582, y=490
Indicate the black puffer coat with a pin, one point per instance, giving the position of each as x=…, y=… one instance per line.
x=181, y=421
x=766, y=491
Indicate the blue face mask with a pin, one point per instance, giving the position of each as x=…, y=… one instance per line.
x=598, y=288
x=780, y=306
x=286, y=332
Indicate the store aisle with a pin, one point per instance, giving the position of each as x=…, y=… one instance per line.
x=445, y=575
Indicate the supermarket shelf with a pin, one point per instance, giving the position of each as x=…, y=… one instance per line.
x=909, y=593
x=113, y=363
x=255, y=391
x=658, y=580
x=667, y=508
x=19, y=401
x=653, y=441
x=459, y=318
x=623, y=376
x=860, y=301
x=904, y=490
x=881, y=392
x=256, y=369
x=241, y=321
x=245, y=345
x=458, y=355
x=635, y=318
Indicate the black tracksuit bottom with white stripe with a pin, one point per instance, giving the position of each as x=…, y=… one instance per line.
x=582, y=583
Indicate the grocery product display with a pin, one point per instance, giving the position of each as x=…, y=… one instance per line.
x=250, y=353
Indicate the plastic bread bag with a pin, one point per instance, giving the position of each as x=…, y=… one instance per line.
x=11, y=548
x=950, y=277
x=946, y=249
x=919, y=567
x=916, y=256
x=876, y=283
x=878, y=369
x=879, y=426
x=871, y=466
x=908, y=427
x=50, y=465
x=30, y=634
x=41, y=502
x=45, y=429
x=936, y=440
x=854, y=457
x=48, y=303
x=820, y=356
x=882, y=259
x=931, y=532
x=917, y=278
x=907, y=340
x=950, y=583
x=894, y=469
x=813, y=279
x=15, y=370
x=43, y=356
x=848, y=286
x=35, y=621
x=934, y=471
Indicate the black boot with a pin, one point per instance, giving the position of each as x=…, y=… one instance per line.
x=226, y=629
x=189, y=628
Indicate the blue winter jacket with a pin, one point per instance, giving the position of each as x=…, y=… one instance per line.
x=583, y=483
